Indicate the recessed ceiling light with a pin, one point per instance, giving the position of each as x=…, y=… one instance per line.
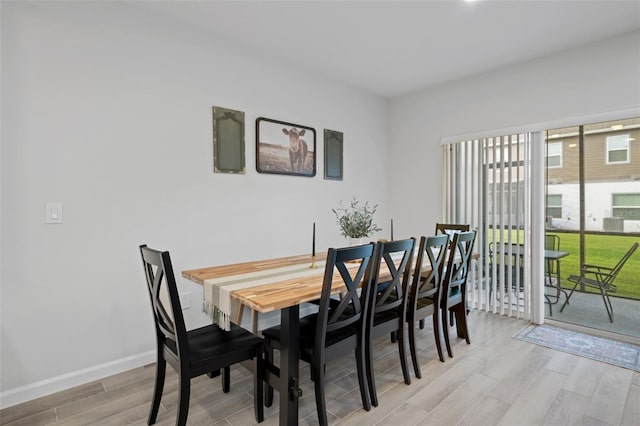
x=617, y=127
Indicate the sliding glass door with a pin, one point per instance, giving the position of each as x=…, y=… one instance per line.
x=593, y=205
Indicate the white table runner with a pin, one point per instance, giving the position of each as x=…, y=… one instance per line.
x=217, y=291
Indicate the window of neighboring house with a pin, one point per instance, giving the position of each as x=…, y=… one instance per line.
x=618, y=149
x=626, y=206
x=554, y=205
x=554, y=155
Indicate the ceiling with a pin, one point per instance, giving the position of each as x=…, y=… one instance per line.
x=391, y=48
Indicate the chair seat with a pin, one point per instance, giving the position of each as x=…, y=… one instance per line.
x=307, y=330
x=592, y=283
x=455, y=296
x=210, y=342
x=425, y=306
x=382, y=286
x=423, y=303
x=385, y=316
x=307, y=335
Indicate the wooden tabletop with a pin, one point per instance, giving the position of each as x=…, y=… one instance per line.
x=277, y=295
x=202, y=274
x=288, y=292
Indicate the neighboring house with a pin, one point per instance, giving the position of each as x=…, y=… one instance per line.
x=611, y=176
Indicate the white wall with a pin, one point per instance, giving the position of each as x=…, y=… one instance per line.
x=588, y=81
x=108, y=111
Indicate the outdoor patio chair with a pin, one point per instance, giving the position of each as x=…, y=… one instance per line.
x=552, y=272
x=600, y=277
x=552, y=242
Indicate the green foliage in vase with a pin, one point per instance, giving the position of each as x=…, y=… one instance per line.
x=356, y=220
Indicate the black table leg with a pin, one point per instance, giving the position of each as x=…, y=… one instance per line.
x=289, y=370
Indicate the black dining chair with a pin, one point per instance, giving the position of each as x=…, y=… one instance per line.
x=387, y=308
x=337, y=328
x=205, y=350
x=454, y=287
x=451, y=228
x=425, y=292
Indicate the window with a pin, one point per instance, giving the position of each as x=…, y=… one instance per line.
x=554, y=205
x=626, y=206
x=554, y=154
x=618, y=149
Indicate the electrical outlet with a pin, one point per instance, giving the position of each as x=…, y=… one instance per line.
x=185, y=300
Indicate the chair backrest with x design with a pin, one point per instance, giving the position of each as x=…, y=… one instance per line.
x=390, y=292
x=165, y=302
x=425, y=294
x=459, y=263
x=427, y=285
x=351, y=311
x=451, y=228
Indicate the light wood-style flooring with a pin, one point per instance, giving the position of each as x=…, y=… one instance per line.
x=496, y=380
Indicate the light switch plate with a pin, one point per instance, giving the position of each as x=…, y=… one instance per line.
x=54, y=212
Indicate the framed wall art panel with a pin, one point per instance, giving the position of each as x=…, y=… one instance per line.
x=333, y=154
x=285, y=148
x=228, y=141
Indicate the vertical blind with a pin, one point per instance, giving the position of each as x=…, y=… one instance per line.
x=487, y=185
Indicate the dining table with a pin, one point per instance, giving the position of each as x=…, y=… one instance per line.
x=280, y=284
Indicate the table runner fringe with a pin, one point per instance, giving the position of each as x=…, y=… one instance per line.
x=223, y=319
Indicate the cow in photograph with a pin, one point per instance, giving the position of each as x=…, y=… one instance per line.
x=297, y=148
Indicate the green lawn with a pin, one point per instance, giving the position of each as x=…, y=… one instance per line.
x=602, y=250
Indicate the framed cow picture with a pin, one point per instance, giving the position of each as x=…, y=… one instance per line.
x=285, y=148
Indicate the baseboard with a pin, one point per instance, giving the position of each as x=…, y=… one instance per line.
x=55, y=384
x=80, y=377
